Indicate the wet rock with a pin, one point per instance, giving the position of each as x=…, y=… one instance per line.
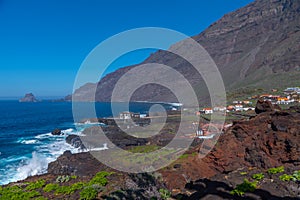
x=75, y=141
x=56, y=132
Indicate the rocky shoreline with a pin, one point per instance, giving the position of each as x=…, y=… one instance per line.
x=254, y=146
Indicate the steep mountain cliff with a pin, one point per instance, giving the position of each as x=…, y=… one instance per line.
x=255, y=46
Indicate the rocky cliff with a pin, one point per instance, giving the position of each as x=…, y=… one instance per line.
x=254, y=46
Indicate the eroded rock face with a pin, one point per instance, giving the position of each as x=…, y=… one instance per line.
x=265, y=106
x=267, y=140
x=81, y=164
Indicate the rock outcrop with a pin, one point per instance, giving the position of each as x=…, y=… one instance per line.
x=56, y=132
x=75, y=141
x=265, y=106
x=267, y=140
x=81, y=164
x=28, y=98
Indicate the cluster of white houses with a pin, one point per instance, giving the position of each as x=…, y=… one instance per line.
x=237, y=106
x=291, y=95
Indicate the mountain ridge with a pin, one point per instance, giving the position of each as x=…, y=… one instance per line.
x=250, y=46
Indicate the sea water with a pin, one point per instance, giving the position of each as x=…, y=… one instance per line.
x=26, y=142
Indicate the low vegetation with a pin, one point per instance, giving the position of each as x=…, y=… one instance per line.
x=258, y=176
x=32, y=190
x=144, y=149
x=244, y=187
x=276, y=170
x=164, y=193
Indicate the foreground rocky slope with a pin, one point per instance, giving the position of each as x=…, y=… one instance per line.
x=254, y=46
x=264, y=150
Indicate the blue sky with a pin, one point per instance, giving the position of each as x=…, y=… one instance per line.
x=43, y=43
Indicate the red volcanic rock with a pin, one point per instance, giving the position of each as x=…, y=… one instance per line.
x=267, y=140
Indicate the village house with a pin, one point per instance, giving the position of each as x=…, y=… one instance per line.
x=291, y=90
x=230, y=108
x=219, y=109
x=207, y=111
x=238, y=107
x=284, y=100
x=126, y=115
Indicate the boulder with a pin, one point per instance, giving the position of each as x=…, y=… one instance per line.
x=265, y=106
x=75, y=141
x=56, y=132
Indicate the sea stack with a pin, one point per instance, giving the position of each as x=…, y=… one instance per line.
x=28, y=98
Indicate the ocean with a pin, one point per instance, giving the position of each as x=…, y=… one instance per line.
x=26, y=142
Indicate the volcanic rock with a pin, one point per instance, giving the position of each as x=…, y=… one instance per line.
x=75, y=141
x=28, y=98
x=56, y=132
x=81, y=164
x=265, y=106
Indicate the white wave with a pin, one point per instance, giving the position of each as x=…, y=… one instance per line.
x=29, y=141
x=13, y=159
x=67, y=131
x=176, y=104
x=44, y=154
x=36, y=165
x=44, y=135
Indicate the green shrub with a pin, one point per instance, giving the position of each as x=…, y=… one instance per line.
x=100, y=178
x=62, y=179
x=88, y=193
x=63, y=190
x=35, y=185
x=258, y=176
x=243, y=173
x=276, y=170
x=15, y=192
x=77, y=186
x=296, y=175
x=164, y=193
x=50, y=187
x=74, y=177
x=246, y=186
x=286, y=177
